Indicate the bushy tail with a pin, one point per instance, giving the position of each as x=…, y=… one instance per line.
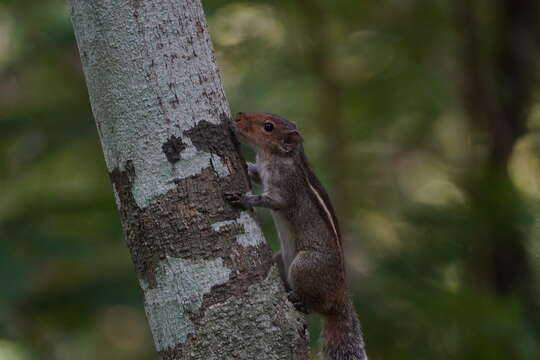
x=341, y=335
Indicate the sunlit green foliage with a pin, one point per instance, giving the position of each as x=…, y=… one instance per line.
x=376, y=89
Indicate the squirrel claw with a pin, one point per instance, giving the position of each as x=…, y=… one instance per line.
x=235, y=199
x=297, y=302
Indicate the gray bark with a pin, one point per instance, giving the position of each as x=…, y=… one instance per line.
x=210, y=287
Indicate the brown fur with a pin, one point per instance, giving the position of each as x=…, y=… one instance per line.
x=311, y=259
x=341, y=335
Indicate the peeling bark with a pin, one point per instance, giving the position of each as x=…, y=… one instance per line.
x=211, y=289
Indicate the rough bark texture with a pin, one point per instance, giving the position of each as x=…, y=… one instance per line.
x=211, y=290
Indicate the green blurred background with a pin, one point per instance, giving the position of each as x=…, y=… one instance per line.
x=422, y=118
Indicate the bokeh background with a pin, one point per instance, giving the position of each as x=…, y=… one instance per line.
x=422, y=118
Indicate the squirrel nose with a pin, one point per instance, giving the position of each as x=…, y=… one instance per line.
x=238, y=116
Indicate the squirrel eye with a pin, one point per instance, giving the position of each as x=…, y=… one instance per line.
x=268, y=126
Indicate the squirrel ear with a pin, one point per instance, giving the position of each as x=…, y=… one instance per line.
x=291, y=141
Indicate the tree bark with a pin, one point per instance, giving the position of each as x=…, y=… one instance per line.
x=210, y=287
x=497, y=96
x=497, y=89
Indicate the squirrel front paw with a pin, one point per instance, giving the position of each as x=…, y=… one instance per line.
x=237, y=199
x=297, y=302
x=253, y=173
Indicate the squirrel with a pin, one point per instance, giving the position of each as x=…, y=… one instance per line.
x=311, y=259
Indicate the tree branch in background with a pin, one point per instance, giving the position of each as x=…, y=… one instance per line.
x=496, y=93
x=328, y=114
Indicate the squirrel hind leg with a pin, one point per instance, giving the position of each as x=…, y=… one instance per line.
x=312, y=276
x=298, y=302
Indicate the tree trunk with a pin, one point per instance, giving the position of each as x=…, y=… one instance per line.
x=328, y=114
x=497, y=91
x=211, y=289
x=497, y=96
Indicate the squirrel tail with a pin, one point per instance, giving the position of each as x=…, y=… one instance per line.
x=341, y=334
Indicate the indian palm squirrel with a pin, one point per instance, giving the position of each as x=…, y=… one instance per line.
x=311, y=260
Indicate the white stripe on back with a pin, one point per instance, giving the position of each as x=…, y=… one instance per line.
x=326, y=210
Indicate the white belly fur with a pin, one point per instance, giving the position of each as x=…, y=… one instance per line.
x=286, y=238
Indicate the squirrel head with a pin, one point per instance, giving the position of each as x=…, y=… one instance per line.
x=267, y=133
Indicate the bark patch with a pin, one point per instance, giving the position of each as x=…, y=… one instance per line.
x=220, y=139
x=172, y=149
x=204, y=135
x=261, y=310
x=179, y=223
